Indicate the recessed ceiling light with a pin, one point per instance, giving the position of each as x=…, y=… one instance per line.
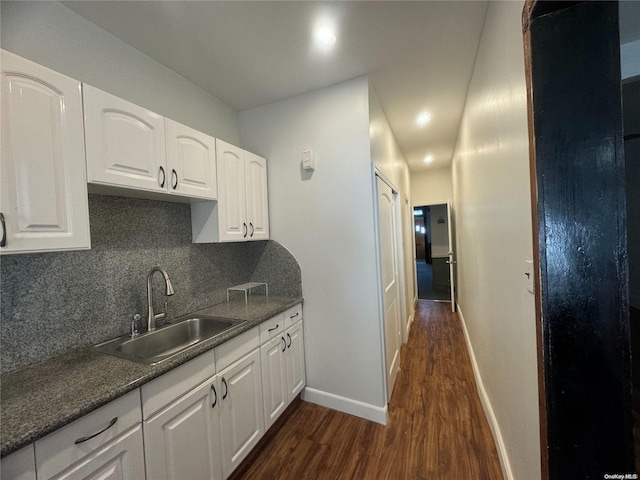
x=428, y=159
x=325, y=37
x=423, y=119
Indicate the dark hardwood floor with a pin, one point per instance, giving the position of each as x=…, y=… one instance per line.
x=436, y=430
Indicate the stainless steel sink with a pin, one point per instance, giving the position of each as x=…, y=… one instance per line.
x=161, y=344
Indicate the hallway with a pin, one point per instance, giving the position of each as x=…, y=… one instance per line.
x=437, y=428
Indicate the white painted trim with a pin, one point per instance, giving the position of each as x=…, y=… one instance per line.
x=346, y=405
x=380, y=289
x=486, y=405
x=432, y=204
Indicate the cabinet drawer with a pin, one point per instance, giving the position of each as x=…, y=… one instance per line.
x=237, y=347
x=58, y=450
x=293, y=315
x=165, y=389
x=271, y=328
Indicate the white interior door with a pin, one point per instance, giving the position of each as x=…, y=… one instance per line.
x=451, y=260
x=389, y=270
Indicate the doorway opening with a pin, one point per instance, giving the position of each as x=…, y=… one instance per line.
x=433, y=277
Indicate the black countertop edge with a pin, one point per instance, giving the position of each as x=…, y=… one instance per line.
x=39, y=399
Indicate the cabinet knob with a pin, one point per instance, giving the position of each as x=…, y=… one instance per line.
x=162, y=176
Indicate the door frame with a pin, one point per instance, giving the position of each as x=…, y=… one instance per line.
x=375, y=174
x=579, y=229
x=452, y=248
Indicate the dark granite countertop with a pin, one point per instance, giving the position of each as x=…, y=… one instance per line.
x=39, y=399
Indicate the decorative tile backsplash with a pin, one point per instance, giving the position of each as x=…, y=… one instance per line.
x=54, y=302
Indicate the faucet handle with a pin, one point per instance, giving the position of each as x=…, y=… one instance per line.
x=136, y=325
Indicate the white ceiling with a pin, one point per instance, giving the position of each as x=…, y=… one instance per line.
x=419, y=55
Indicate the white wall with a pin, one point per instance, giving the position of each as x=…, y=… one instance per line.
x=430, y=187
x=326, y=219
x=52, y=35
x=494, y=238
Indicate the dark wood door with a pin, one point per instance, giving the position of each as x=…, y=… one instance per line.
x=573, y=68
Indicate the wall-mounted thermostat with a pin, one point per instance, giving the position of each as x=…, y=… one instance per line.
x=309, y=160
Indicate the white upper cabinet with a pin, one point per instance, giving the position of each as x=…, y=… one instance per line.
x=241, y=213
x=191, y=161
x=44, y=201
x=125, y=143
x=256, y=195
x=231, y=194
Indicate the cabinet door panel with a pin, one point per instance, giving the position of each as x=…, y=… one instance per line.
x=191, y=161
x=242, y=417
x=231, y=192
x=296, y=378
x=182, y=441
x=121, y=459
x=257, y=201
x=125, y=143
x=274, y=379
x=44, y=193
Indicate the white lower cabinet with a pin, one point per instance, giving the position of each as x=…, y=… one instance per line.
x=241, y=416
x=274, y=379
x=20, y=465
x=283, y=366
x=106, y=443
x=190, y=423
x=182, y=441
x=120, y=459
x=296, y=378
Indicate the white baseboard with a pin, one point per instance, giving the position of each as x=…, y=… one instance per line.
x=486, y=405
x=346, y=405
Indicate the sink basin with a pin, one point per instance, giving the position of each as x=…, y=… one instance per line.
x=165, y=342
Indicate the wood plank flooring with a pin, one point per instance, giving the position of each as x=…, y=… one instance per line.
x=436, y=429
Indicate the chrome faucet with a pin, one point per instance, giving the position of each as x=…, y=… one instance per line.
x=151, y=319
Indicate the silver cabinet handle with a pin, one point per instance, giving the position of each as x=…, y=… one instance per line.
x=3, y=241
x=215, y=395
x=84, y=439
x=164, y=177
x=174, y=178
